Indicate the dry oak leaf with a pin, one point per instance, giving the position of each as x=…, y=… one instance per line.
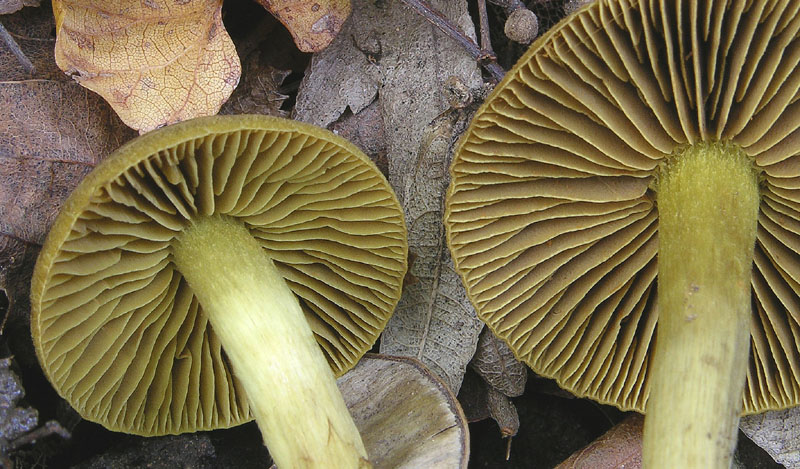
x=312, y=23
x=156, y=62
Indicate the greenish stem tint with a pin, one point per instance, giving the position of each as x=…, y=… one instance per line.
x=291, y=389
x=708, y=200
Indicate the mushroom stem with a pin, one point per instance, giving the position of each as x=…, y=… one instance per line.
x=708, y=201
x=290, y=386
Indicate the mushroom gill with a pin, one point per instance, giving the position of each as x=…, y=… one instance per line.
x=553, y=213
x=121, y=331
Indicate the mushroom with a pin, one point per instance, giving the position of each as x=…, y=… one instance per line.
x=639, y=167
x=219, y=270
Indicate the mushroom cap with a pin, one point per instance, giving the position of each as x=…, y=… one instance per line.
x=551, y=212
x=117, y=329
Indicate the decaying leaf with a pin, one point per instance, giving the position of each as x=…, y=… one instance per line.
x=496, y=364
x=259, y=91
x=31, y=29
x=434, y=320
x=618, y=448
x=473, y=397
x=12, y=6
x=407, y=417
x=366, y=130
x=571, y=6
x=15, y=420
x=313, y=23
x=156, y=62
x=504, y=376
x=387, y=53
x=503, y=412
x=54, y=133
x=778, y=433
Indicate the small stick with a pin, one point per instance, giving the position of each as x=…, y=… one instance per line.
x=14, y=48
x=485, y=59
x=49, y=428
x=486, y=43
x=508, y=5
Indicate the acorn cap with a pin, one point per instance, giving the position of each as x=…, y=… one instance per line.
x=551, y=213
x=117, y=329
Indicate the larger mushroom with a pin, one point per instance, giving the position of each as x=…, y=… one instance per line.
x=638, y=168
x=219, y=270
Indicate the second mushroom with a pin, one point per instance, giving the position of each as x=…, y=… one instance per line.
x=625, y=214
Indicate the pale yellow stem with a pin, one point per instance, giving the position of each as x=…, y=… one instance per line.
x=290, y=386
x=708, y=201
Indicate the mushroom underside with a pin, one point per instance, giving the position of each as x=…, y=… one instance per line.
x=552, y=215
x=106, y=285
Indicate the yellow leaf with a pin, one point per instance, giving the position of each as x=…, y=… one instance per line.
x=155, y=61
x=312, y=23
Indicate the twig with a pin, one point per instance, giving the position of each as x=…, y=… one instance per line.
x=484, y=57
x=508, y=5
x=486, y=42
x=14, y=48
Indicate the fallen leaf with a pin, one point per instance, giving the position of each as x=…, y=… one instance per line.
x=313, y=23
x=32, y=29
x=12, y=6
x=15, y=420
x=16, y=267
x=342, y=76
x=504, y=376
x=156, y=62
x=389, y=54
x=53, y=134
x=434, y=320
x=620, y=447
x=367, y=131
x=473, y=397
x=496, y=364
x=776, y=432
x=503, y=412
x=259, y=91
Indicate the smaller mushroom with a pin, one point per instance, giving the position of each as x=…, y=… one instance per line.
x=217, y=270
